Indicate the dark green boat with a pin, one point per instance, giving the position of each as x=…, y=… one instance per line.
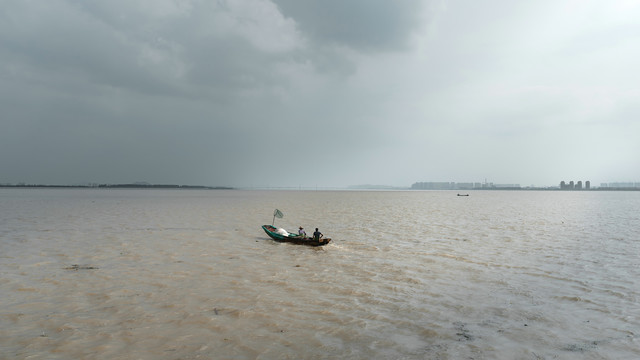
x=293, y=238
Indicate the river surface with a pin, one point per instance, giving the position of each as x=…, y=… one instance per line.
x=189, y=274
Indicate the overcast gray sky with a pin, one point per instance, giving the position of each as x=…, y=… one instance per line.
x=319, y=92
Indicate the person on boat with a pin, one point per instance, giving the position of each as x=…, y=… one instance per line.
x=301, y=232
x=317, y=235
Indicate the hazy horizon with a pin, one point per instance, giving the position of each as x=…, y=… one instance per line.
x=283, y=93
x=365, y=186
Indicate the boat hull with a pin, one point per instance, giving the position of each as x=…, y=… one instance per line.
x=293, y=238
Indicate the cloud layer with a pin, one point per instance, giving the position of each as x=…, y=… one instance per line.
x=327, y=93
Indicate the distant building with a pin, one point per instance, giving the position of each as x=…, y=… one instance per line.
x=574, y=186
x=434, y=186
x=465, y=186
x=508, y=186
x=461, y=186
x=621, y=185
x=565, y=186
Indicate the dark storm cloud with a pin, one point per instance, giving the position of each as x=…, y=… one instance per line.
x=117, y=45
x=364, y=25
x=79, y=46
x=175, y=48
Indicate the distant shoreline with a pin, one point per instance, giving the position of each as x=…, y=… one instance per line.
x=200, y=187
x=119, y=186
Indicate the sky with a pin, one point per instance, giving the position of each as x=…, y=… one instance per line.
x=319, y=93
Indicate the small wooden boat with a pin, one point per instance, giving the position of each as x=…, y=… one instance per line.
x=282, y=235
x=463, y=194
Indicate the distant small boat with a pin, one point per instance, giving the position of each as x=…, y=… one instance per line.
x=463, y=194
x=282, y=235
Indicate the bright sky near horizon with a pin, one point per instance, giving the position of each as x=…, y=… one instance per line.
x=324, y=93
